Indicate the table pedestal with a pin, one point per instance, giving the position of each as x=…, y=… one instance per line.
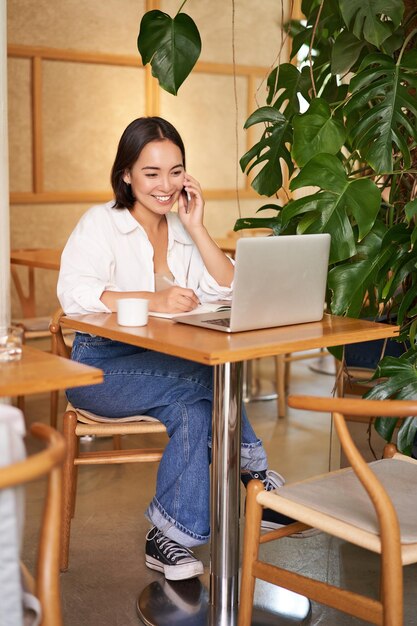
x=186, y=603
x=252, y=387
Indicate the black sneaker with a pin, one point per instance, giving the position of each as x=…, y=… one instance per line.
x=271, y=520
x=168, y=556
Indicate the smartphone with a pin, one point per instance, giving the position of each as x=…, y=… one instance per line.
x=187, y=199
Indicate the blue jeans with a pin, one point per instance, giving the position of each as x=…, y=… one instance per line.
x=179, y=394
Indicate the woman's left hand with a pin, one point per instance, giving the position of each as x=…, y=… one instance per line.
x=191, y=211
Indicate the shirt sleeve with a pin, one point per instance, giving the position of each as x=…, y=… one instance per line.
x=210, y=290
x=87, y=267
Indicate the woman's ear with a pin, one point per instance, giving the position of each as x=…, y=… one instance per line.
x=126, y=177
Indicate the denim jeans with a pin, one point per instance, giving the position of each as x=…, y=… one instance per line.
x=179, y=394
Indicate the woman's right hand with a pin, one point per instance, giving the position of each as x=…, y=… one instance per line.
x=173, y=300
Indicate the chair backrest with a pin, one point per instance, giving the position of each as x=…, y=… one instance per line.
x=58, y=343
x=45, y=463
x=341, y=407
x=355, y=408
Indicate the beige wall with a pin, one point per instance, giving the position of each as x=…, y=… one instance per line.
x=86, y=106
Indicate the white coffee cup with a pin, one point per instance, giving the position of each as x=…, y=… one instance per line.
x=132, y=312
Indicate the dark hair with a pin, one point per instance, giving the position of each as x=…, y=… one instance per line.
x=139, y=133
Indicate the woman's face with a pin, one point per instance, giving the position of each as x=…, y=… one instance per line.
x=157, y=177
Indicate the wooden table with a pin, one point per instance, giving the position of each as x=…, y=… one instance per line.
x=43, y=258
x=227, y=244
x=225, y=352
x=39, y=371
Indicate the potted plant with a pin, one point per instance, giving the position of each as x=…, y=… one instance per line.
x=341, y=124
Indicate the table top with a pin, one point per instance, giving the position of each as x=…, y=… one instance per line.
x=39, y=371
x=212, y=347
x=46, y=258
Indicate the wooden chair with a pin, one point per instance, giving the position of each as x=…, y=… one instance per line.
x=48, y=463
x=33, y=325
x=78, y=423
x=283, y=374
x=385, y=522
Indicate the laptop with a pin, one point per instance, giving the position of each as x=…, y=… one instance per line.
x=278, y=281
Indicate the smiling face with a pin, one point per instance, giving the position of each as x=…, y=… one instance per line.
x=157, y=177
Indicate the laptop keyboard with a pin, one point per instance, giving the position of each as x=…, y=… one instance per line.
x=223, y=321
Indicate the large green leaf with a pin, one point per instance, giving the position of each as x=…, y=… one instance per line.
x=345, y=52
x=331, y=209
x=400, y=382
x=287, y=81
x=396, y=280
x=406, y=434
x=269, y=149
x=316, y=131
x=368, y=19
x=382, y=112
x=274, y=223
x=171, y=46
x=322, y=216
x=349, y=282
x=299, y=37
x=410, y=210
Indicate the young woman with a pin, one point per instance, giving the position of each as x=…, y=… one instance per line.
x=129, y=248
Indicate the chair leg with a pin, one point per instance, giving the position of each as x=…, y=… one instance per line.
x=340, y=380
x=117, y=442
x=68, y=483
x=250, y=552
x=54, y=408
x=20, y=403
x=287, y=365
x=280, y=385
x=75, y=479
x=391, y=591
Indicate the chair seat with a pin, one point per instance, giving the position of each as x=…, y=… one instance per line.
x=338, y=504
x=35, y=324
x=92, y=424
x=90, y=418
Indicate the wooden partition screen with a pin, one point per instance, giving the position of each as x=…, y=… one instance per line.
x=38, y=55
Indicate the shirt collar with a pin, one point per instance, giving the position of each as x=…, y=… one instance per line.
x=124, y=220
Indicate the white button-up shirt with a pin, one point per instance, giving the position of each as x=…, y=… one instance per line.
x=110, y=251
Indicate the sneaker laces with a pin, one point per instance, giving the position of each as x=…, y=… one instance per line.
x=273, y=480
x=172, y=550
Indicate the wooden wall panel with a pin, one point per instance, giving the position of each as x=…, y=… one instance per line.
x=86, y=107
x=204, y=113
x=257, y=29
x=101, y=26
x=20, y=125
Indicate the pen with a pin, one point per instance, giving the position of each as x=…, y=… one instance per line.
x=169, y=282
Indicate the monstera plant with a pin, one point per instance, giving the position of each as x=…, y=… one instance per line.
x=340, y=123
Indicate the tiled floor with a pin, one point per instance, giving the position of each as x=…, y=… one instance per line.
x=107, y=569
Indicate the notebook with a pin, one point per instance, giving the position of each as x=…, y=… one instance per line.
x=208, y=307
x=278, y=281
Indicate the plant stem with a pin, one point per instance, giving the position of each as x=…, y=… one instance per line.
x=179, y=10
x=407, y=39
x=310, y=57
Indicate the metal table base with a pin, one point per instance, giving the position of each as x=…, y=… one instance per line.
x=252, y=387
x=186, y=603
